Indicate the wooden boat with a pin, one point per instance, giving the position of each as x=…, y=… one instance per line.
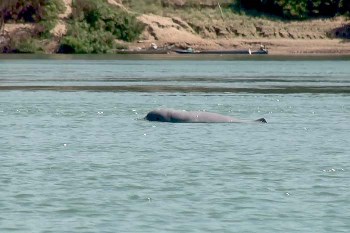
x=254, y=52
x=186, y=51
x=147, y=51
x=221, y=52
x=192, y=51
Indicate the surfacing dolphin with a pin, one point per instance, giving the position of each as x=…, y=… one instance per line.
x=179, y=116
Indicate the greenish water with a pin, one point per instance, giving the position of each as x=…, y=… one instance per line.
x=76, y=156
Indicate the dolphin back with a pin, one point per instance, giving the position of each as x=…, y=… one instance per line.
x=178, y=116
x=261, y=120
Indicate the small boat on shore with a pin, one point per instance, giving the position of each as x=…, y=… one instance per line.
x=250, y=52
x=260, y=51
x=148, y=51
x=186, y=51
x=221, y=52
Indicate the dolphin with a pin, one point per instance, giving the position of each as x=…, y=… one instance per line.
x=180, y=116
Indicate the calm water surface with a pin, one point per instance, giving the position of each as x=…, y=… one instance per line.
x=76, y=156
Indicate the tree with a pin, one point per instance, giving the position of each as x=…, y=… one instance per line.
x=298, y=9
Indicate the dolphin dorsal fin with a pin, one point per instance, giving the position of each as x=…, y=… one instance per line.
x=262, y=120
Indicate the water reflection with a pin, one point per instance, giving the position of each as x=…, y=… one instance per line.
x=186, y=89
x=73, y=73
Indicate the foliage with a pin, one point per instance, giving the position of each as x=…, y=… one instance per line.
x=29, y=46
x=145, y=6
x=23, y=44
x=32, y=11
x=99, y=15
x=297, y=9
x=82, y=40
x=95, y=25
x=158, y=6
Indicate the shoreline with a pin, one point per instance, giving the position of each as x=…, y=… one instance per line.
x=280, y=47
x=199, y=29
x=174, y=56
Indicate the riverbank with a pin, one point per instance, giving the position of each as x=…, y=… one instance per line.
x=208, y=28
x=284, y=47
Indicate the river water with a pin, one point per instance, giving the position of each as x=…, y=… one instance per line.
x=76, y=155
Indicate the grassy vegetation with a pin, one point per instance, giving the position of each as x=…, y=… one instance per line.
x=30, y=45
x=95, y=25
x=145, y=6
x=32, y=11
x=82, y=40
x=275, y=9
x=42, y=12
x=161, y=7
x=296, y=9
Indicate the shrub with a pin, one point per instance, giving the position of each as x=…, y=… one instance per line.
x=95, y=25
x=82, y=40
x=297, y=9
x=100, y=15
x=22, y=45
x=32, y=11
x=145, y=6
x=52, y=9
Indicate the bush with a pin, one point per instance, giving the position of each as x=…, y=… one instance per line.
x=22, y=45
x=32, y=11
x=29, y=46
x=82, y=40
x=52, y=9
x=100, y=15
x=297, y=9
x=145, y=6
x=95, y=25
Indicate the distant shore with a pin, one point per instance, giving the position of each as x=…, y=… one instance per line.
x=307, y=47
x=182, y=28
x=287, y=47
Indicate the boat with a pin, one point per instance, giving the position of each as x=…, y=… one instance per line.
x=261, y=51
x=186, y=51
x=221, y=52
x=148, y=51
x=250, y=52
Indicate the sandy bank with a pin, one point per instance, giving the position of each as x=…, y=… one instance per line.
x=208, y=29
x=242, y=32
